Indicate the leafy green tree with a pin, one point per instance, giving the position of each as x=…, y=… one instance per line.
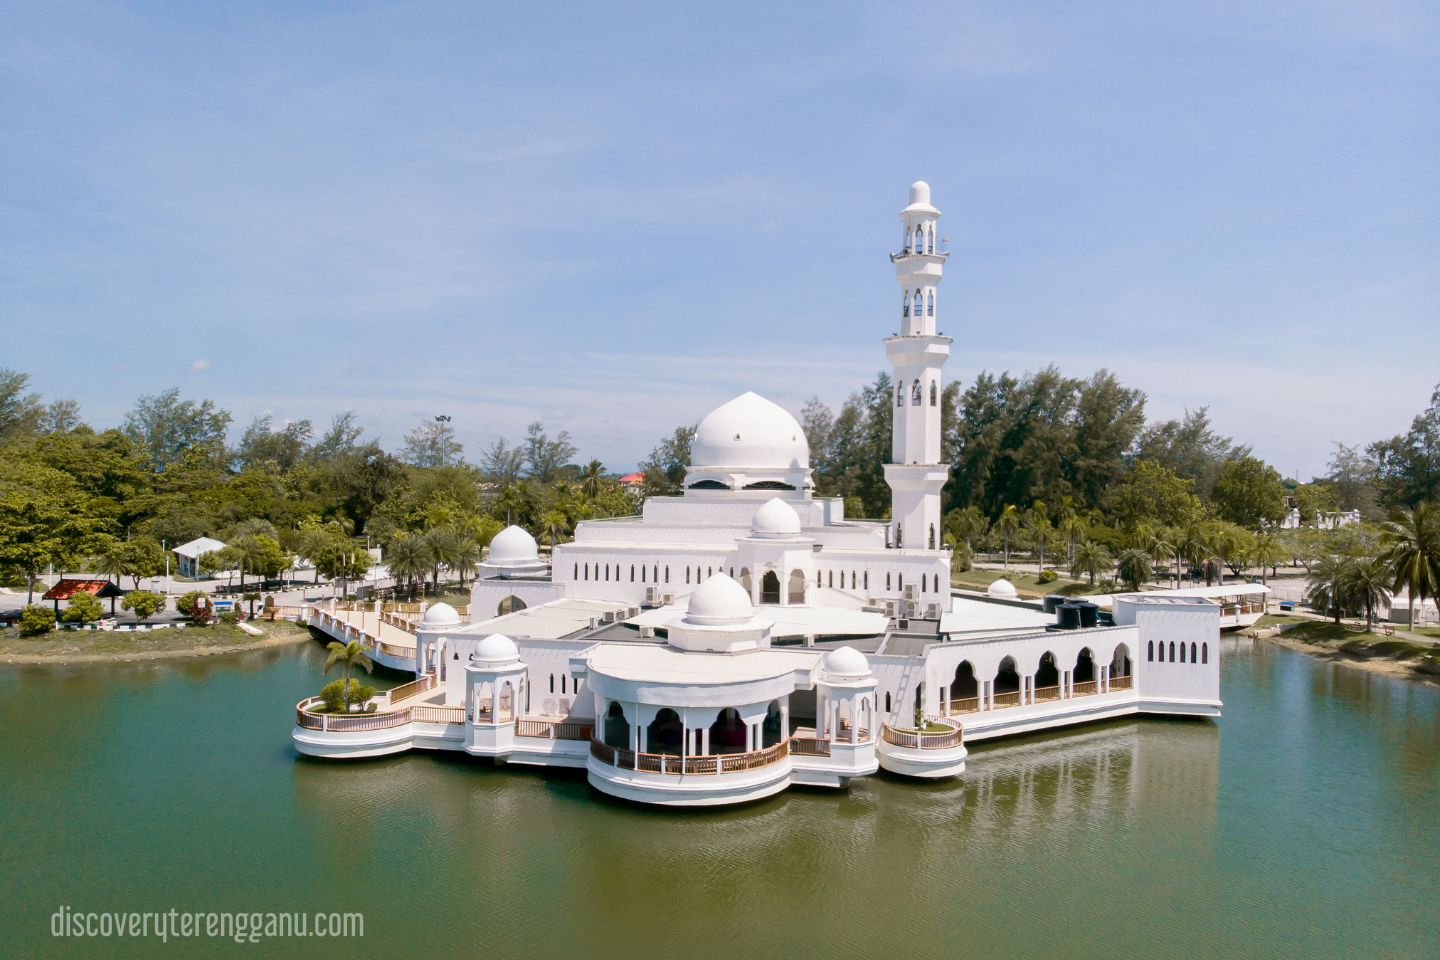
x=143, y=603
x=1249, y=492
x=665, y=467
x=166, y=427
x=35, y=619
x=1134, y=568
x=44, y=518
x=1190, y=449
x=1407, y=466
x=264, y=445
x=83, y=607
x=432, y=444
x=349, y=655
x=227, y=560
x=190, y=604
x=20, y=411
x=1411, y=540
x=112, y=560
x=408, y=559
x=1091, y=559
x=545, y=456
x=1267, y=551
x=1152, y=493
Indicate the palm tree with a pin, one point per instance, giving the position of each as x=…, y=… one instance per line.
x=352, y=655
x=311, y=544
x=1091, y=558
x=590, y=476
x=1134, y=567
x=1159, y=549
x=1412, y=553
x=1008, y=523
x=1266, y=551
x=113, y=561
x=1364, y=583
x=466, y=555
x=445, y=544
x=408, y=558
x=1069, y=524
x=1323, y=590
x=1190, y=546
x=967, y=524
x=554, y=523
x=1037, y=521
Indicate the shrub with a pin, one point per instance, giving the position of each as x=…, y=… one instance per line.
x=961, y=558
x=195, y=606
x=82, y=608
x=36, y=619
x=333, y=693
x=230, y=615
x=1047, y=576
x=143, y=603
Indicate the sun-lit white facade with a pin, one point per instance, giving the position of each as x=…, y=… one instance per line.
x=746, y=635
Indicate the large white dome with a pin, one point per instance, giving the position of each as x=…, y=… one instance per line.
x=845, y=662
x=496, y=649
x=719, y=601
x=440, y=615
x=775, y=518
x=752, y=433
x=513, y=546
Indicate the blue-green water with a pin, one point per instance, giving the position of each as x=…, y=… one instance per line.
x=1305, y=823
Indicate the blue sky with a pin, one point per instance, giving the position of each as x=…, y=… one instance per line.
x=613, y=217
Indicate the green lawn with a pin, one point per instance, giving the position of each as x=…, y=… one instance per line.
x=63, y=643
x=1356, y=642
x=1025, y=584
x=1275, y=619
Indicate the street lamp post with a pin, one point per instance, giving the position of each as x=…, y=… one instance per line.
x=443, y=420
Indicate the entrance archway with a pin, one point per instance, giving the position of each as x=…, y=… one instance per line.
x=770, y=587
x=771, y=732
x=1120, y=663
x=664, y=733
x=1007, y=680
x=797, y=587
x=1047, y=674
x=727, y=733
x=963, y=687
x=617, y=727
x=510, y=604
x=1084, y=667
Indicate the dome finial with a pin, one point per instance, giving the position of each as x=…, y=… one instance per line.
x=919, y=192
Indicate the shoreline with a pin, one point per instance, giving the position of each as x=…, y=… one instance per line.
x=209, y=650
x=1379, y=665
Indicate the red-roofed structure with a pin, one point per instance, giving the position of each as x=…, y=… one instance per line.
x=68, y=587
x=632, y=480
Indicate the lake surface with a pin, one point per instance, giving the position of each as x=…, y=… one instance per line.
x=1305, y=823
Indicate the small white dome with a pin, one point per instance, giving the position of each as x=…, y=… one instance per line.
x=845, y=662
x=513, y=546
x=751, y=433
x=919, y=192
x=496, y=648
x=1001, y=589
x=719, y=601
x=775, y=518
x=440, y=615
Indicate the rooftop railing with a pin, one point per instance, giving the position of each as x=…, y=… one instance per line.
x=707, y=765
x=924, y=741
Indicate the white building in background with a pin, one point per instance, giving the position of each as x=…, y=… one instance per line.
x=187, y=556
x=746, y=635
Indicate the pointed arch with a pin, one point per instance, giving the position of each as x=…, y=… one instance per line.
x=934, y=393
x=917, y=394
x=899, y=393
x=930, y=303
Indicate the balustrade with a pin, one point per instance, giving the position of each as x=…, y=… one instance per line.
x=710, y=764
x=1121, y=683
x=923, y=741
x=554, y=729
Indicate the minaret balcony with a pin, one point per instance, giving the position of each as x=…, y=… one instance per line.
x=932, y=256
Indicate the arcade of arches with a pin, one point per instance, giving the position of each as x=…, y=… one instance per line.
x=1011, y=688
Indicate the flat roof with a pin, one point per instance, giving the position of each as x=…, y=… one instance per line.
x=968, y=615
x=550, y=621
x=665, y=664
x=784, y=621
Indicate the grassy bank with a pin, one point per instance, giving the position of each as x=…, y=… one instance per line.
x=1342, y=641
x=1025, y=584
x=90, y=645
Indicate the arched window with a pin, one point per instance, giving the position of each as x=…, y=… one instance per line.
x=899, y=581
x=562, y=683
x=934, y=393
x=819, y=579
x=632, y=573
x=1205, y=653
x=930, y=239
x=930, y=304
x=932, y=526
x=937, y=583
x=687, y=574
x=576, y=574
x=709, y=572
x=656, y=575
x=887, y=581
x=905, y=303
x=1182, y=653
x=642, y=573
x=552, y=683
x=919, y=239
x=1172, y=651
x=917, y=303
x=888, y=708
x=587, y=571
x=607, y=573
x=917, y=394
x=1150, y=652
x=832, y=578
x=866, y=579
x=900, y=393
x=667, y=573
x=1192, y=652
x=852, y=579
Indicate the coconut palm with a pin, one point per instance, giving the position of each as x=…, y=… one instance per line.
x=445, y=545
x=1190, y=546
x=1411, y=539
x=1323, y=585
x=310, y=544
x=554, y=524
x=1363, y=583
x=590, y=476
x=352, y=655
x=1007, y=523
x=1037, y=522
x=113, y=561
x=1070, y=524
x=1134, y=567
x=1091, y=559
x=967, y=524
x=466, y=555
x=409, y=559
x=1266, y=551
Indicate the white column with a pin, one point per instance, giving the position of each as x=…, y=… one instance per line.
x=705, y=741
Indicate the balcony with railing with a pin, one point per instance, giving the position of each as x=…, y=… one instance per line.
x=947, y=739
x=705, y=765
x=1049, y=694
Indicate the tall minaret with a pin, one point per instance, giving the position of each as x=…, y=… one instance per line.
x=916, y=355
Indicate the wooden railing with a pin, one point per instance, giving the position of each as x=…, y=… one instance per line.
x=809, y=747
x=398, y=621
x=1010, y=699
x=554, y=729
x=309, y=718
x=1122, y=683
x=1042, y=694
x=434, y=713
x=413, y=688
x=965, y=705
x=1084, y=688
x=710, y=764
x=923, y=741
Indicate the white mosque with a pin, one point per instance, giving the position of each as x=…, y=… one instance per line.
x=746, y=635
